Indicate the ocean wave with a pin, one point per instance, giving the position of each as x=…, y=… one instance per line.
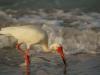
x=76, y=30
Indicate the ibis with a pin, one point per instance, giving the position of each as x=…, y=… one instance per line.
x=31, y=35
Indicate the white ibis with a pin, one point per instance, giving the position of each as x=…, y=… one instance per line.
x=31, y=35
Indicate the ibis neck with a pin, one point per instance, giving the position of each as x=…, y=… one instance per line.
x=45, y=48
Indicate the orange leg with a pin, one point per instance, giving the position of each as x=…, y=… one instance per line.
x=26, y=57
x=27, y=61
x=20, y=50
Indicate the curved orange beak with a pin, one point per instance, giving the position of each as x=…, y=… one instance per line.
x=60, y=51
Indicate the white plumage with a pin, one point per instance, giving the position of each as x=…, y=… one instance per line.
x=28, y=34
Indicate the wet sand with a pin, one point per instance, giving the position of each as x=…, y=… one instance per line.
x=81, y=64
